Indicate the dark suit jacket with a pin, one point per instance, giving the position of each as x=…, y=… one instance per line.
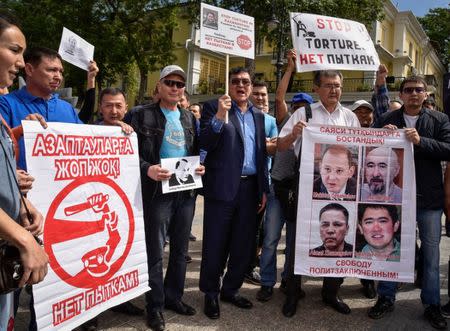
x=350, y=189
x=225, y=153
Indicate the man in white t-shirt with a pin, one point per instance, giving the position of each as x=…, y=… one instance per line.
x=328, y=111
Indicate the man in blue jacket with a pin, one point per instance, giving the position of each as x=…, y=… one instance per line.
x=235, y=189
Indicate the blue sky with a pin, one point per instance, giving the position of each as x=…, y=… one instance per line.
x=420, y=7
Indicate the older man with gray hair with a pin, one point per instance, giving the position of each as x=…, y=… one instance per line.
x=381, y=166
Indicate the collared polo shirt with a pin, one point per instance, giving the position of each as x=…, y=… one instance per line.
x=15, y=106
x=341, y=116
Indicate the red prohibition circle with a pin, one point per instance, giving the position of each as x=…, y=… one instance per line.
x=85, y=280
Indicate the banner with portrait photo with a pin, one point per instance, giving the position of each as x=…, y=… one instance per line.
x=356, y=206
x=87, y=186
x=324, y=42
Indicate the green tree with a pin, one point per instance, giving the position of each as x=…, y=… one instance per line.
x=436, y=24
x=147, y=27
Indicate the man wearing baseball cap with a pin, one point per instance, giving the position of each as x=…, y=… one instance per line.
x=166, y=131
x=364, y=111
x=300, y=100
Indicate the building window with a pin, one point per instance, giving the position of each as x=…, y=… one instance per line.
x=259, y=46
x=410, y=50
x=212, y=70
x=383, y=37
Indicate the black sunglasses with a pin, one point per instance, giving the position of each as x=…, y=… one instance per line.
x=410, y=90
x=172, y=83
x=238, y=81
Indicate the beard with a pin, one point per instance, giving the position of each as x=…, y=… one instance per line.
x=377, y=186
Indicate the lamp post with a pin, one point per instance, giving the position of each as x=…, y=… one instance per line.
x=273, y=24
x=279, y=64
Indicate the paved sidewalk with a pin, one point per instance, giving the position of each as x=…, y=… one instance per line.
x=312, y=314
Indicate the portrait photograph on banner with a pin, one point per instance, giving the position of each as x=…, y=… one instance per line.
x=356, y=209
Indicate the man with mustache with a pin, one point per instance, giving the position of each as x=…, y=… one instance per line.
x=333, y=220
x=380, y=168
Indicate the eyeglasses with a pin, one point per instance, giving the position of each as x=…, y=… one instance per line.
x=239, y=81
x=172, y=83
x=410, y=90
x=331, y=86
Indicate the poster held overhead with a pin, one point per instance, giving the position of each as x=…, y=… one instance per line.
x=227, y=32
x=331, y=43
x=75, y=49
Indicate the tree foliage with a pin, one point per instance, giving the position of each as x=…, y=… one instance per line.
x=123, y=32
x=436, y=24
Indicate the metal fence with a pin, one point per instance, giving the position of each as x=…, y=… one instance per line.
x=306, y=85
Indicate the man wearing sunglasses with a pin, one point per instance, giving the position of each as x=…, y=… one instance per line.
x=429, y=131
x=166, y=131
x=235, y=189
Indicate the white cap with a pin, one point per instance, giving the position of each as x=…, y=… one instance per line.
x=361, y=103
x=172, y=70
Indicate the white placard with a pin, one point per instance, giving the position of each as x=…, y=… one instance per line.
x=367, y=174
x=88, y=189
x=75, y=49
x=227, y=32
x=183, y=174
x=324, y=43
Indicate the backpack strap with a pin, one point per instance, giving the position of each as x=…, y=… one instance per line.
x=308, y=112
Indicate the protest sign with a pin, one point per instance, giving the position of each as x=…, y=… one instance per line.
x=183, y=174
x=356, y=205
x=75, y=49
x=227, y=32
x=88, y=189
x=324, y=42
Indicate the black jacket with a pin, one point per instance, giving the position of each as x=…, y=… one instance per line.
x=149, y=123
x=226, y=151
x=434, y=131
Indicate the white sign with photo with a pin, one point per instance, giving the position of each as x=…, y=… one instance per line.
x=227, y=32
x=356, y=205
x=183, y=174
x=75, y=49
x=324, y=43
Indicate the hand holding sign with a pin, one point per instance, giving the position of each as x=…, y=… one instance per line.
x=223, y=107
x=291, y=56
x=157, y=173
x=298, y=129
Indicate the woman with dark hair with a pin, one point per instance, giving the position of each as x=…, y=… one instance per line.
x=15, y=226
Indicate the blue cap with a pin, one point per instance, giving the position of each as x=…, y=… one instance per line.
x=302, y=97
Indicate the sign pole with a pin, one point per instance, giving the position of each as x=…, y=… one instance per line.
x=227, y=69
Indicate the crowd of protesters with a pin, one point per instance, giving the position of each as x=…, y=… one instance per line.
x=250, y=168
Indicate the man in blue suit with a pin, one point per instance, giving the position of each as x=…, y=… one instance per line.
x=234, y=189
